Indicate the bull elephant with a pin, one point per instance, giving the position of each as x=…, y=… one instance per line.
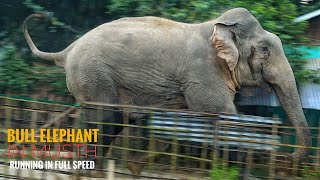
x=151, y=61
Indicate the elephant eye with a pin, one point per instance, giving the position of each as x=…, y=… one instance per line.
x=264, y=51
x=264, y=48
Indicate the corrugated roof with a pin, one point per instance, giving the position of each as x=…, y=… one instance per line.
x=307, y=16
x=313, y=64
x=309, y=93
x=310, y=96
x=197, y=128
x=306, y=1
x=257, y=96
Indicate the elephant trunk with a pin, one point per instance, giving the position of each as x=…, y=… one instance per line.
x=288, y=96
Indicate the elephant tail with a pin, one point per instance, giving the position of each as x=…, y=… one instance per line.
x=58, y=57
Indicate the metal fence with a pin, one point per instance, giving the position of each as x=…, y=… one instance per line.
x=161, y=143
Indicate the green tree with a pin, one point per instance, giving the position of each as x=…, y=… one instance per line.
x=68, y=20
x=14, y=72
x=221, y=171
x=184, y=11
x=275, y=16
x=20, y=71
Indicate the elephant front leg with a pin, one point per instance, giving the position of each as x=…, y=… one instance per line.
x=208, y=98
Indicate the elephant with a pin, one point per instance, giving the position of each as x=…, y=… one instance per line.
x=156, y=62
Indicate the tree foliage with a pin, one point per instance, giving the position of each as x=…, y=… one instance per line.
x=275, y=16
x=14, y=72
x=221, y=171
x=183, y=11
x=21, y=72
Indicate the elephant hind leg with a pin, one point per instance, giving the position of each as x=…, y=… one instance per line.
x=103, y=92
x=109, y=132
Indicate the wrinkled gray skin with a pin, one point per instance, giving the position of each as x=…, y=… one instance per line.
x=156, y=62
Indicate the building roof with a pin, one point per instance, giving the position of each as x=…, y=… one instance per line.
x=305, y=1
x=309, y=93
x=307, y=16
x=313, y=64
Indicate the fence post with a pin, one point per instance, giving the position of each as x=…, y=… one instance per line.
x=249, y=162
x=33, y=125
x=174, y=147
x=318, y=145
x=100, y=143
x=151, y=147
x=295, y=165
x=273, y=154
x=205, y=145
x=76, y=125
x=226, y=148
x=34, y=118
x=216, y=140
x=125, y=139
x=111, y=170
x=8, y=115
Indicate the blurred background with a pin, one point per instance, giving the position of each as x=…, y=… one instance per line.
x=23, y=75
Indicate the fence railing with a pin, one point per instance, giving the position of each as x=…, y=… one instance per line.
x=159, y=143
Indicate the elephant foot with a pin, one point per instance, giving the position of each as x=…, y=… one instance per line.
x=135, y=168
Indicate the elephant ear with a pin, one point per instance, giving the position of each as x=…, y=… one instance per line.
x=224, y=41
